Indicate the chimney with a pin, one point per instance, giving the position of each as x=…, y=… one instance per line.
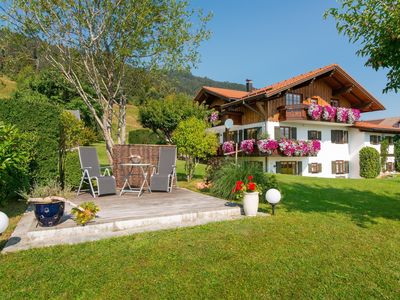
x=249, y=85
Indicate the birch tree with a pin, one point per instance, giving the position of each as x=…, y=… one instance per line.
x=93, y=42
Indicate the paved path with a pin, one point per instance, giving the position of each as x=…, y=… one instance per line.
x=122, y=215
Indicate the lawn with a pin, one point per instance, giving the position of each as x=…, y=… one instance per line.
x=331, y=238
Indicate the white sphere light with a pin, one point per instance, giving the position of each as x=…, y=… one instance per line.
x=273, y=196
x=3, y=222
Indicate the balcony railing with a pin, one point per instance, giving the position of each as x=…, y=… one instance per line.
x=293, y=112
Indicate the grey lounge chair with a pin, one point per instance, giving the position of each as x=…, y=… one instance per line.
x=163, y=178
x=91, y=170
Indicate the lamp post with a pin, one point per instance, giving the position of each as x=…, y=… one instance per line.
x=273, y=196
x=3, y=222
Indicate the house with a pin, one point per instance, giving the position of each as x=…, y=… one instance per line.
x=317, y=109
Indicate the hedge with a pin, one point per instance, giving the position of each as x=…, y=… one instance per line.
x=143, y=136
x=72, y=170
x=42, y=119
x=370, y=166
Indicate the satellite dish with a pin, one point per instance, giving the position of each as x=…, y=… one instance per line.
x=228, y=123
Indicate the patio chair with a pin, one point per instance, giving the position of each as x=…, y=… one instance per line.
x=163, y=177
x=91, y=170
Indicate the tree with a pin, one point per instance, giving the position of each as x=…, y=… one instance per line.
x=397, y=152
x=384, y=153
x=370, y=166
x=375, y=25
x=95, y=42
x=163, y=115
x=194, y=142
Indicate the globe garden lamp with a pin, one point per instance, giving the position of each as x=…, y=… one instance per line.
x=273, y=196
x=3, y=222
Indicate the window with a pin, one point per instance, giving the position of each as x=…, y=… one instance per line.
x=375, y=139
x=339, y=137
x=335, y=103
x=390, y=139
x=340, y=167
x=314, y=135
x=251, y=133
x=314, y=168
x=397, y=125
x=293, y=99
x=285, y=132
x=289, y=167
x=230, y=136
x=390, y=167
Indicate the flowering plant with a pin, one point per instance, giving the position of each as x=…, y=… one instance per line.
x=287, y=147
x=314, y=147
x=241, y=187
x=247, y=146
x=329, y=113
x=315, y=111
x=342, y=114
x=214, y=117
x=228, y=147
x=353, y=115
x=268, y=146
x=299, y=148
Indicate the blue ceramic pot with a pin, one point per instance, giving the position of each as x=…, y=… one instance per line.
x=49, y=214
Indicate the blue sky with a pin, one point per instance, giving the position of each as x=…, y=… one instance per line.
x=269, y=41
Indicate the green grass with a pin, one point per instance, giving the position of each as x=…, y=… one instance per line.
x=7, y=87
x=331, y=238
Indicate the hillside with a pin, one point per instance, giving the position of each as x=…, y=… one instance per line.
x=185, y=82
x=7, y=86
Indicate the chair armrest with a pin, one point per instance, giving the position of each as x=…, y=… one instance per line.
x=106, y=170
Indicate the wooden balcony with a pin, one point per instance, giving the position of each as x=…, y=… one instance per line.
x=293, y=112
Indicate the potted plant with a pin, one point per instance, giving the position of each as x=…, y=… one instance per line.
x=249, y=193
x=49, y=203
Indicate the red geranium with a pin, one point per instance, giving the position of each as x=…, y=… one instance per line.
x=241, y=187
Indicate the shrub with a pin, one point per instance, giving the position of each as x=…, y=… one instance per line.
x=370, y=165
x=143, y=136
x=72, y=170
x=194, y=143
x=224, y=178
x=397, y=153
x=41, y=119
x=384, y=153
x=15, y=156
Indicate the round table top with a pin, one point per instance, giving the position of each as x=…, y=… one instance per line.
x=135, y=164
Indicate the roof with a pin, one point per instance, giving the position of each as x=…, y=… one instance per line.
x=228, y=94
x=380, y=125
x=333, y=73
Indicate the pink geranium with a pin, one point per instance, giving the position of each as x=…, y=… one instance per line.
x=247, y=146
x=267, y=146
x=329, y=113
x=353, y=115
x=342, y=114
x=314, y=147
x=228, y=147
x=315, y=111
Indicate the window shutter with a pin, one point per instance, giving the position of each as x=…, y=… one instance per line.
x=277, y=133
x=345, y=137
x=259, y=130
x=346, y=167
x=245, y=134
x=309, y=168
x=278, y=167
x=224, y=136
x=294, y=133
x=333, y=167
x=319, y=135
x=309, y=135
x=319, y=168
x=299, y=168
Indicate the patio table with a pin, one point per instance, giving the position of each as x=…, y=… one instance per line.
x=144, y=169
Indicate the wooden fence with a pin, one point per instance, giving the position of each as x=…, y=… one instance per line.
x=149, y=154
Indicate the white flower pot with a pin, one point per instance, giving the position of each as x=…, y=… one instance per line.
x=250, y=203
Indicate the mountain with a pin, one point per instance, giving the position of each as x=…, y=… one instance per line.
x=186, y=82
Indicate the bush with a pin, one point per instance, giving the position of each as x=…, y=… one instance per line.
x=370, y=166
x=15, y=156
x=224, y=179
x=397, y=152
x=41, y=119
x=144, y=136
x=72, y=171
